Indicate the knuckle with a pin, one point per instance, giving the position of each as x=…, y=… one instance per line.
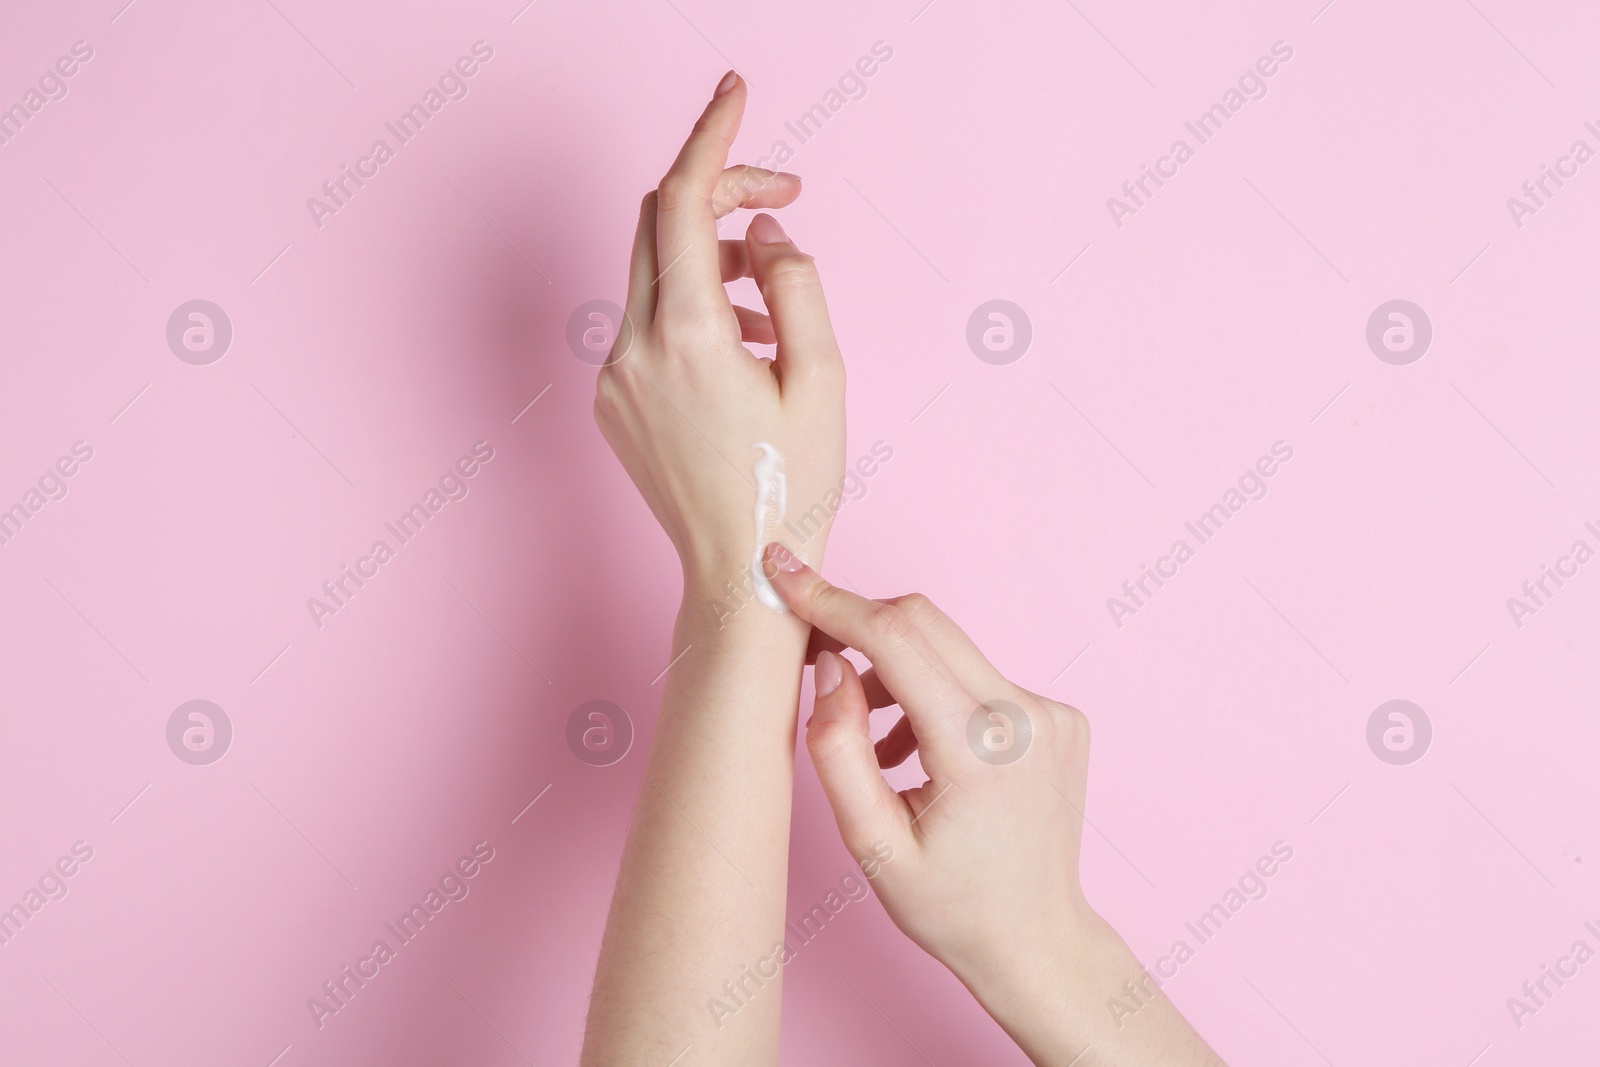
x=739, y=184
x=647, y=205
x=829, y=739
x=619, y=385
x=792, y=270
x=684, y=329
x=616, y=374
x=608, y=392
x=703, y=126
x=675, y=330
x=687, y=333
x=678, y=191
x=621, y=348
x=890, y=623
x=1074, y=723
x=823, y=600
x=918, y=606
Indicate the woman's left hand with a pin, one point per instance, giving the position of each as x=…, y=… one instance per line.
x=682, y=401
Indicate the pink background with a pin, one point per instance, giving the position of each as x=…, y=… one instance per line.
x=1228, y=313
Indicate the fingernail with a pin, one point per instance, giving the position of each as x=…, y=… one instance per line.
x=786, y=174
x=783, y=559
x=829, y=673
x=728, y=81
x=765, y=229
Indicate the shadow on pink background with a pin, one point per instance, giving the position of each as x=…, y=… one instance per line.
x=1173, y=345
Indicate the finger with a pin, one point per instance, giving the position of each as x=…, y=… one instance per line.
x=686, y=228
x=733, y=261
x=821, y=642
x=756, y=187
x=896, y=746
x=754, y=327
x=878, y=696
x=909, y=667
x=864, y=806
x=972, y=667
x=642, y=267
x=748, y=187
x=753, y=187
x=808, y=354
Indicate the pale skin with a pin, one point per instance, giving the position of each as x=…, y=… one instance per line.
x=985, y=868
x=701, y=890
x=984, y=874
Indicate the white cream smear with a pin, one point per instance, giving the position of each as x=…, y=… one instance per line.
x=772, y=493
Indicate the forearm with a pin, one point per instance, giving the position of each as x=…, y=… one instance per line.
x=1084, y=999
x=700, y=896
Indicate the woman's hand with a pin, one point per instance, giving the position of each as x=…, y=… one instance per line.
x=984, y=868
x=684, y=404
x=681, y=400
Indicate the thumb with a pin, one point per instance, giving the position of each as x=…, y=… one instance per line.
x=864, y=806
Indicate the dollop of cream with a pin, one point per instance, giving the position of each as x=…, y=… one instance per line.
x=772, y=499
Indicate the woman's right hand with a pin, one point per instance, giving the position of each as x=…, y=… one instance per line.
x=982, y=859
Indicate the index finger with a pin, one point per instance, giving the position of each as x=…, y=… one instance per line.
x=910, y=668
x=686, y=225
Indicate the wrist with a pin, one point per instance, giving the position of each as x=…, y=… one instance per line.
x=721, y=617
x=1082, y=997
x=724, y=589
x=1050, y=993
x=749, y=654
